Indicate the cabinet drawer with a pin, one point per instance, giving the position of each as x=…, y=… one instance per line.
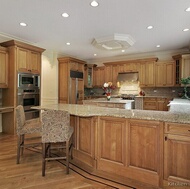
x=150, y=99
x=122, y=106
x=150, y=106
x=176, y=128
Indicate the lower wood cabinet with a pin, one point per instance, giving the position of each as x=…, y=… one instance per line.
x=156, y=103
x=177, y=154
x=152, y=153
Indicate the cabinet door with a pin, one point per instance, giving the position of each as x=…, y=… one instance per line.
x=185, y=66
x=85, y=140
x=108, y=74
x=115, y=70
x=3, y=69
x=149, y=103
x=164, y=73
x=161, y=104
x=111, y=144
x=35, y=62
x=99, y=76
x=22, y=59
x=176, y=159
x=147, y=74
x=80, y=92
x=144, y=150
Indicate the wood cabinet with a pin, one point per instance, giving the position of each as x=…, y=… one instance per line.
x=22, y=57
x=89, y=75
x=177, y=153
x=3, y=67
x=108, y=73
x=182, y=70
x=150, y=103
x=85, y=129
x=131, y=148
x=71, y=88
x=147, y=74
x=164, y=74
x=99, y=76
x=156, y=103
x=28, y=61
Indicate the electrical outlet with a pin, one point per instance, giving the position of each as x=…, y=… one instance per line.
x=155, y=91
x=173, y=91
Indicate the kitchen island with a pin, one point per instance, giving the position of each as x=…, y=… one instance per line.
x=143, y=149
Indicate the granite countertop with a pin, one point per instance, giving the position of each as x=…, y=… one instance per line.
x=88, y=111
x=179, y=105
x=4, y=109
x=112, y=100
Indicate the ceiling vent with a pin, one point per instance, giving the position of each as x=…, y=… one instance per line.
x=114, y=42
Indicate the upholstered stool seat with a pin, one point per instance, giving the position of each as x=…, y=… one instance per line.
x=56, y=129
x=23, y=127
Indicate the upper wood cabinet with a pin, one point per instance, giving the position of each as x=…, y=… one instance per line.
x=182, y=67
x=177, y=153
x=3, y=67
x=27, y=58
x=89, y=75
x=164, y=74
x=28, y=61
x=99, y=76
x=147, y=74
x=71, y=88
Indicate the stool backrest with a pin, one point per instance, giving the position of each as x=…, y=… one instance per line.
x=20, y=118
x=55, y=126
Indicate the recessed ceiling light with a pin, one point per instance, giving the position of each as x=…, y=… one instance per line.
x=158, y=46
x=122, y=50
x=188, y=9
x=94, y=4
x=65, y=15
x=95, y=54
x=185, y=29
x=68, y=43
x=23, y=24
x=149, y=27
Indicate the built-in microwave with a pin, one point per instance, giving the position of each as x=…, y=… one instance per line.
x=28, y=80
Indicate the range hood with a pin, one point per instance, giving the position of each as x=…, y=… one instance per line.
x=127, y=77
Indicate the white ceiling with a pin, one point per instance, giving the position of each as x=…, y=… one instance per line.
x=46, y=27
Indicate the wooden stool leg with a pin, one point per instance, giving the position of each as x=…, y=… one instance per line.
x=43, y=159
x=67, y=157
x=18, y=149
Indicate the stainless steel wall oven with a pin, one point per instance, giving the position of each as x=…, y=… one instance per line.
x=29, y=93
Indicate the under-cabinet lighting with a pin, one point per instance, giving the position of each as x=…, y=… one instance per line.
x=157, y=46
x=68, y=43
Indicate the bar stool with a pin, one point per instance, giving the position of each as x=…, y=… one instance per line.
x=23, y=127
x=56, y=129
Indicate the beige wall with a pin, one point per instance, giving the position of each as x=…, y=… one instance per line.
x=49, y=78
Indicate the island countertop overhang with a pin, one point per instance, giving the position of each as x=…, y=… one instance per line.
x=89, y=111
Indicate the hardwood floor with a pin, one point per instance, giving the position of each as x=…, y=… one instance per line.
x=27, y=174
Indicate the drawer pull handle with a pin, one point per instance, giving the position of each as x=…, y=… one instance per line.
x=189, y=130
x=166, y=138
